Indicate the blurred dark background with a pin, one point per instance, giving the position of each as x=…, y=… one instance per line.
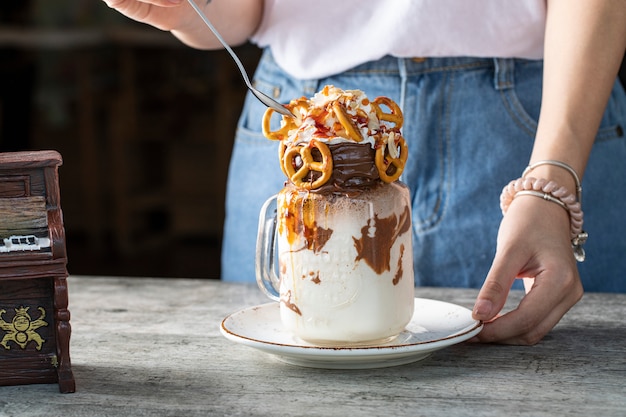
x=135, y=115
x=144, y=124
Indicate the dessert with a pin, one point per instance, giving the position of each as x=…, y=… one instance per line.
x=343, y=219
x=340, y=123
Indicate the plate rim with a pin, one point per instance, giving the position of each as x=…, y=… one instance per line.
x=315, y=350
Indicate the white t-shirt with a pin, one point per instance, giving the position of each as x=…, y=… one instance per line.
x=316, y=38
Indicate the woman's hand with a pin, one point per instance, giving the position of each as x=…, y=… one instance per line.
x=236, y=20
x=581, y=61
x=533, y=241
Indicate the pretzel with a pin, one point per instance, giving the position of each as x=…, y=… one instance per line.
x=394, y=115
x=309, y=164
x=297, y=107
x=352, y=131
x=280, y=134
x=281, y=154
x=384, y=161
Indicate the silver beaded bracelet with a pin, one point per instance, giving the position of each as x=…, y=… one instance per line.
x=579, y=187
x=551, y=191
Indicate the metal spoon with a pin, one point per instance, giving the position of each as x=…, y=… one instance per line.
x=265, y=99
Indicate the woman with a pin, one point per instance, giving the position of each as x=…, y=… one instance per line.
x=487, y=88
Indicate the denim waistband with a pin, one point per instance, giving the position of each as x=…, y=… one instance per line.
x=504, y=68
x=415, y=66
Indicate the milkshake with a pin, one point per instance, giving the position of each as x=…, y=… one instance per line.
x=343, y=220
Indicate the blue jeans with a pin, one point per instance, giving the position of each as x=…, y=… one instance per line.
x=470, y=125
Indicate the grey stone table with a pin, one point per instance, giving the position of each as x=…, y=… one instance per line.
x=152, y=347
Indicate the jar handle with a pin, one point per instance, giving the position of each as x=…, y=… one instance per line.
x=265, y=262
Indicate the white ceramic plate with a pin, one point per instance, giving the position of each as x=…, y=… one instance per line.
x=435, y=325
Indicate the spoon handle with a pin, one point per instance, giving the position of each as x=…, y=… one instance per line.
x=206, y=20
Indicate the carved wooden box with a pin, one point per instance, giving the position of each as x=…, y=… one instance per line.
x=34, y=319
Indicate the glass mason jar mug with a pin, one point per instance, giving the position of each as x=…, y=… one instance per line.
x=340, y=264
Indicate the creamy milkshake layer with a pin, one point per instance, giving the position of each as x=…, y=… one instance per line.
x=343, y=219
x=345, y=264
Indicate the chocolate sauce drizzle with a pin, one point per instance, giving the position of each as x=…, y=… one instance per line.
x=376, y=250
